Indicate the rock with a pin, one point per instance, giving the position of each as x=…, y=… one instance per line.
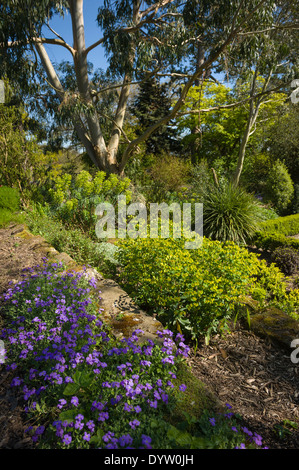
x=276, y=325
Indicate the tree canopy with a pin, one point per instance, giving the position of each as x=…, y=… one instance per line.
x=143, y=40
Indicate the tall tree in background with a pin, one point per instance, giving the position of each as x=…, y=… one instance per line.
x=142, y=40
x=150, y=105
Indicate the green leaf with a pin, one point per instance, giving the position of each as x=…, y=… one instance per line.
x=71, y=389
x=70, y=415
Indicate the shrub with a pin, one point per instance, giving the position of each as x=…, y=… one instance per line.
x=7, y=217
x=198, y=291
x=279, y=187
x=287, y=259
x=230, y=214
x=74, y=198
x=287, y=226
x=271, y=241
x=9, y=198
x=195, y=291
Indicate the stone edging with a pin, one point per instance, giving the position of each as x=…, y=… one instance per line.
x=117, y=308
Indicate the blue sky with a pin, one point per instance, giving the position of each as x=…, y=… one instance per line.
x=63, y=27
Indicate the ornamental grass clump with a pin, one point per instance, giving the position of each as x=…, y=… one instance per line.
x=81, y=387
x=230, y=214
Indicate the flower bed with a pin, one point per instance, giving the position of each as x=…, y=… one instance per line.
x=83, y=388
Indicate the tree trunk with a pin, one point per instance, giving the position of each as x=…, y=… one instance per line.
x=196, y=131
x=251, y=121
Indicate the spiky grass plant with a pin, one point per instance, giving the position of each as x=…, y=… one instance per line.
x=230, y=214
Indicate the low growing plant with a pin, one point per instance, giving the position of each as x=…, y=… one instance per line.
x=9, y=198
x=198, y=291
x=82, y=388
x=287, y=260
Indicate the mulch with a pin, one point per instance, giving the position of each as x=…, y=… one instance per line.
x=257, y=378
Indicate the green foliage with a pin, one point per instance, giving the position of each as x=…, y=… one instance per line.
x=7, y=217
x=199, y=291
x=22, y=161
x=74, y=198
x=288, y=225
x=9, y=198
x=74, y=242
x=271, y=241
x=213, y=431
x=279, y=187
x=192, y=290
x=230, y=214
x=287, y=259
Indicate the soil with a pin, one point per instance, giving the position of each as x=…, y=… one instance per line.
x=257, y=378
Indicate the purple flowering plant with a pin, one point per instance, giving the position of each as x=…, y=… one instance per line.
x=221, y=430
x=84, y=387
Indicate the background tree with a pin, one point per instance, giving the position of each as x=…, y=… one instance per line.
x=150, y=105
x=141, y=40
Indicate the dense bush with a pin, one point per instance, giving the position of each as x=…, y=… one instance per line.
x=287, y=226
x=279, y=187
x=230, y=214
x=9, y=198
x=287, y=259
x=198, y=291
x=74, y=198
x=271, y=241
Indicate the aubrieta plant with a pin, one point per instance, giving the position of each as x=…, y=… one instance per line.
x=85, y=388
x=82, y=387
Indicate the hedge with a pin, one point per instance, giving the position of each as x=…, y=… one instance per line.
x=287, y=226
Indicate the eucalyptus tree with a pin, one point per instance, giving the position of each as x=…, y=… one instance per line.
x=143, y=40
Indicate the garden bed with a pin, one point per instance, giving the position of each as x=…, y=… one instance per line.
x=255, y=377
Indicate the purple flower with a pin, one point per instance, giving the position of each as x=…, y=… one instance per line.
x=67, y=439
x=61, y=403
x=134, y=423
x=182, y=387
x=125, y=440
x=212, y=421
x=90, y=424
x=86, y=436
x=103, y=416
x=75, y=401
x=146, y=441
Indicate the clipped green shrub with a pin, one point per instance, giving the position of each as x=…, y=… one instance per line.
x=9, y=198
x=287, y=226
x=230, y=214
x=287, y=259
x=279, y=187
x=7, y=217
x=271, y=241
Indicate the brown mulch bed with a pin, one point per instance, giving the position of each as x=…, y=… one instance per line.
x=255, y=377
